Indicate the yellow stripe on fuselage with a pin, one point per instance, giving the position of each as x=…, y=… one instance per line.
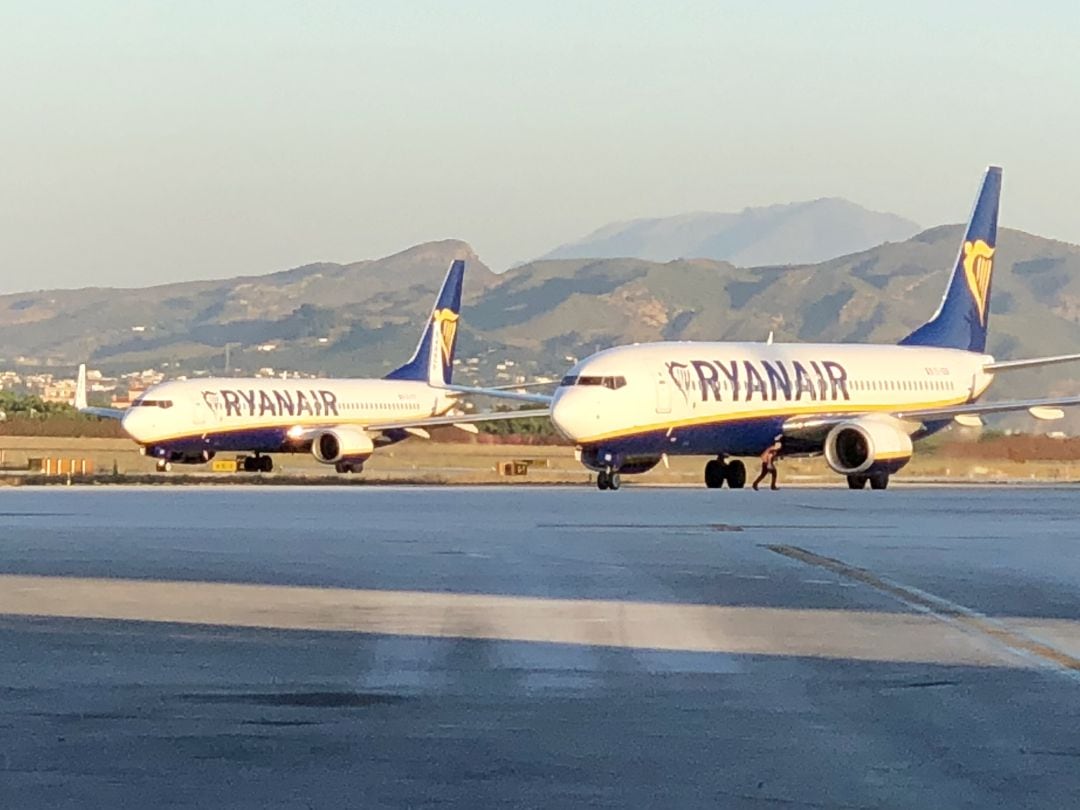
x=217, y=430
x=845, y=409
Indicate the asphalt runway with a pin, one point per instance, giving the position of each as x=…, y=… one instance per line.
x=539, y=647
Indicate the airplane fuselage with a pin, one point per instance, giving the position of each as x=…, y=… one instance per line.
x=189, y=417
x=690, y=398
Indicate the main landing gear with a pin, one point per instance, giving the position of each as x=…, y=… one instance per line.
x=720, y=470
x=347, y=467
x=257, y=463
x=607, y=479
x=877, y=480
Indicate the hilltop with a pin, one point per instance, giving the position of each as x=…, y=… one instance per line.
x=795, y=233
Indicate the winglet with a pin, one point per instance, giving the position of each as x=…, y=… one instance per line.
x=80, y=388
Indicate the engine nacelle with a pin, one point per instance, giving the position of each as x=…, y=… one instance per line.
x=337, y=444
x=868, y=444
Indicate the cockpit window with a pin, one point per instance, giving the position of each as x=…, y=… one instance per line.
x=142, y=402
x=612, y=382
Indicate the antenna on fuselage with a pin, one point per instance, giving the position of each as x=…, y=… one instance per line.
x=768, y=340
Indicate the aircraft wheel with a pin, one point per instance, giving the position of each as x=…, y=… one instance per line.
x=714, y=474
x=266, y=464
x=614, y=481
x=856, y=481
x=602, y=480
x=879, y=481
x=347, y=467
x=250, y=464
x=736, y=474
x=164, y=466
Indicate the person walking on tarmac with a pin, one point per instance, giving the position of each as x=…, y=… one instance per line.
x=768, y=464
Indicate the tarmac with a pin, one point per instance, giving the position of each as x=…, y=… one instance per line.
x=539, y=647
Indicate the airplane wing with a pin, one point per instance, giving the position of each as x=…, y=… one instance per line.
x=417, y=426
x=461, y=419
x=105, y=413
x=499, y=392
x=80, y=399
x=814, y=428
x=980, y=408
x=516, y=386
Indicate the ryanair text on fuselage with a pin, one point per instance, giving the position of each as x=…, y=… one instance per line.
x=769, y=380
x=277, y=402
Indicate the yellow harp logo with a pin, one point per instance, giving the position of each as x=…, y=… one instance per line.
x=445, y=322
x=978, y=265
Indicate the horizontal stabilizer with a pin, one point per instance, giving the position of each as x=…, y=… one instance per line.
x=1035, y=362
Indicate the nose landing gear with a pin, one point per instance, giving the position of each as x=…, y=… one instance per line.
x=608, y=479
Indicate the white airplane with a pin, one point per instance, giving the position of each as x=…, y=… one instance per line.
x=340, y=421
x=629, y=407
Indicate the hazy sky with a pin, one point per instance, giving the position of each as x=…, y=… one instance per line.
x=148, y=142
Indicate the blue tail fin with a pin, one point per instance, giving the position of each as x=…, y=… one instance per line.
x=960, y=322
x=433, y=360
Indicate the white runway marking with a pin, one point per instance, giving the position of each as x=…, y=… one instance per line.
x=839, y=634
x=1044, y=642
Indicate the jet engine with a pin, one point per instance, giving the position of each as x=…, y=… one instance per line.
x=342, y=443
x=868, y=444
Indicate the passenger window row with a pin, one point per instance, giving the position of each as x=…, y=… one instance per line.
x=386, y=406
x=903, y=385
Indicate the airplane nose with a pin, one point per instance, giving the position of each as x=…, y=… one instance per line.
x=135, y=424
x=571, y=417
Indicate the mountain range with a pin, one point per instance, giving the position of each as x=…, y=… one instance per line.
x=795, y=233
x=365, y=317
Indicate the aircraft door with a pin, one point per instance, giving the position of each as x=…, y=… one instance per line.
x=663, y=395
